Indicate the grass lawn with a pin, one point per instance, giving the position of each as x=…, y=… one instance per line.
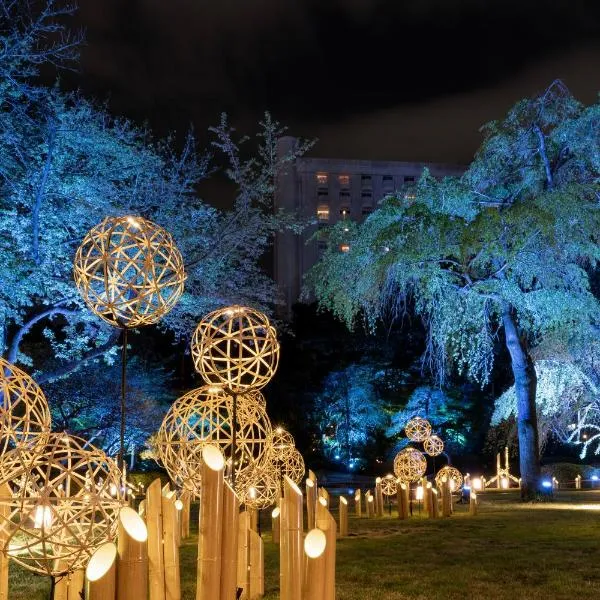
x=510, y=551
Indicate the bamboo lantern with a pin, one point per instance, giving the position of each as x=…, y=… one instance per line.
x=154, y=521
x=577, y=482
x=170, y=547
x=275, y=519
x=6, y=503
x=473, y=503
x=358, y=503
x=281, y=445
x=205, y=416
x=389, y=485
x=101, y=574
x=291, y=542
x=326, y=523
x=210, y=527
x=257, y=565
x=129, y=271
x=433, y=445
x=370, y=505
x=243, y=555
x=403, y=501
x=64, y=506
x=428, y=499
x=142, y=509
x=294, y=467
x=76, y=585
x=418, y=429
x=434, y=504
x=311, y=503
x=229, y=542
x=178, y=531
x=446, y=498
x=185, y=515
x=258, y=487
x=378, y=497
x=315, y=544
x=312, y=476
x=343, y=517
x=132, y=560
x=453, y=475
x=409, y=465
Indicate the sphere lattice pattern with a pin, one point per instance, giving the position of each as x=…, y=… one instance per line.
x=236, y=347
x=452, y=474
x=258, y=487
x=129, y=271
x=409, y=465
x=24, y=414
x=433, y=445
x=418, y=429
x=205, y=416
x=281, y=445
x=293, y=467
x=389, y=485
x=63, y=507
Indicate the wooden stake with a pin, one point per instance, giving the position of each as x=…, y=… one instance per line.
x=446, y=498
x=275, y=518
x=132, y=561
x=343, y=517
x=358, y=503
x=185, y=514
x=379, y=497
x=171, y=548
x=101, y=574
x=473, y=503
x=311, y=503
x=154, y=522
x=326, y=523
x=243, y=554
x=257, y=566
x=229, y=543
x=435, y=507
x=403, y=501
x=314, y=565
x=291, y=546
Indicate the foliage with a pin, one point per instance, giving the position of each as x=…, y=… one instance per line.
x=564, y=472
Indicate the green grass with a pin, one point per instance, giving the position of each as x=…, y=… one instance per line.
x=510, y=551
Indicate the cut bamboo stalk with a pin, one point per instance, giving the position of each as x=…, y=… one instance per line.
x=473, y=503
x=323, y=493
x=428, y=499
x=358, y=503
x=312, y=477
x=185, y=515
x=243, y=555
x=446, y=498
x=343, y=517
x=275, y=518
x=435, y=507
x=132, y=560
x=257, y=566
x=154, y=522
x=326, y=523
x=5, y=505
x=178, y=504
x=314, y=565
x=101, y=574
x=291, y=532
x=171, y=548
x=229, y=543
x=253, y=515
x=370, y=505
x=142, y=509
x=76, y=581
x=61, y=588
x=403, y=501
x=379, y=497
x=210, y=529
x=311, y=503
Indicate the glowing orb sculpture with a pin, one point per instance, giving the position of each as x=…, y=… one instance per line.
x=409, y=465
x=205, y=416
x=452, y=474
x=433, y=445
x=293, y=467
x=258, y=487
x=129, y=271
x=389, y=485
x=418, y=429
x=63, y=507
x=281, y=445
x=24, y=413
x=236, y=347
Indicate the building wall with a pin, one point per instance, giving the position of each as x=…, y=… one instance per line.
x=329, y=190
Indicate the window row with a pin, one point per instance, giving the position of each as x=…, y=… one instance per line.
x=366, y=181
x=323, y=212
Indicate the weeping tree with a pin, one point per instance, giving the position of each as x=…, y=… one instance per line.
x=503, y=252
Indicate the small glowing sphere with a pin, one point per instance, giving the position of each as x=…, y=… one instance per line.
x=258, y=487
x=477, y=484
x=418, y=429
x=281, y=445
x=314, y=543
x=433, y=445
x=409, y=465
x=236, y=347
x=389, y=485
x=129, y=271
x=453, y=475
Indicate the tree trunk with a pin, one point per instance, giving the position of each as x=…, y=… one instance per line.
x=525, y=388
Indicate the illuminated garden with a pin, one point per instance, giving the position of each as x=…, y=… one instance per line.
x=422, y=421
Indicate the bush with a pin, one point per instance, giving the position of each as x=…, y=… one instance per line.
x=563, y=471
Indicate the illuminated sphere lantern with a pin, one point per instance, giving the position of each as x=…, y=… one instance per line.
x=129, y=271
x=281, y=445
x=389, y=485
x=433, y=445
x=205, y=416
x=453, y=475
x=258, y=487
x=409, y=465
x=24, y=419
x=418, y=429
x=236, y=347
x=63, y=507
x=293, y=467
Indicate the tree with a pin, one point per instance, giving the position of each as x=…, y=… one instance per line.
x=502, y=253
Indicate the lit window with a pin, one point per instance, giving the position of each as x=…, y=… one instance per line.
x=322, y=178
x=323, y=212
x=345, y=247
x=344, y=211
x=409, y=196
x=344, y=180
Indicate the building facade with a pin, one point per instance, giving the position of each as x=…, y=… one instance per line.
x=330, y=190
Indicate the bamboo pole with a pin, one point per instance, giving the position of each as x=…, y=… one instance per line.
x=315, y=544
x=142, y=509
x=275, y=518
x=257, y=566
x=178, y=504
x=323, y=493
x=253, y=514
x=76, y=582
x=101, y=574
x=428, y=499
x=403, y=501
x=243, y=555
x=312, y=476
x=379, y=505
x=473, y=503
x=326, y=523
x=185, y=515
x=435, y=506
x=343, y=517
x=291, y=533
x=171, y=547
x=61, y=588
x=370, y=505
x=357, y=503
x=132, y=561
x=5, y=506
x=210, y=528
x=156, y=560
x=311, y=503
x=446, y=498
x=229, y=543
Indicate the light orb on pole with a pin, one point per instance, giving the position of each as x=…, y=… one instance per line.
x=453, y=475
x=418, y=429
x=433, y=445
x=389, y=485
x=409, y=465
x=258, y=487
x=281, y=445
x=236, y=347
x=64, y=506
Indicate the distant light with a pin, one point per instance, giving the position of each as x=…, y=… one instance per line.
x=420, y=492
x=350, y=491
x=505, y=484
x=466, y=487
x=594, y=477
x=546, y=484
x=477, y=485
x=337, y=457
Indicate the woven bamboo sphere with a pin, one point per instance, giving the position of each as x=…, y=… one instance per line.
x=129, y=271
x=24, y=418
x=389, y=485
x=293, y=467
x=409, y=465
x=236, y=347
x=433, y=445
x=418, y=429
x=258, y=487
x=452, y=474
x=63, y=507
x=205, y=416
x=281, y=445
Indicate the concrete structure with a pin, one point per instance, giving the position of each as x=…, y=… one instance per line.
x=329, y=190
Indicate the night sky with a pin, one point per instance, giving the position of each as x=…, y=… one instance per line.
x=410, y=80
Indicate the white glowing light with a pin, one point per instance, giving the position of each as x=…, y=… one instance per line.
x=42, y=517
